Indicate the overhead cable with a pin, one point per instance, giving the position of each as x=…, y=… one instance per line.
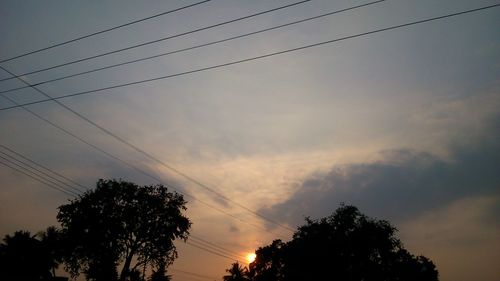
x=20, y=165
x=160, y=39
x=192, y=274
x=141, y=171
x=26, y=172
x=215, y=247
x=40, y=165
x=199, y=243
x=102, y=31
x=254, y=58
x=208, y=247
x=40, y=171
x=171, y=168
x=213, y=252
x=189, y=48
x=192, y=236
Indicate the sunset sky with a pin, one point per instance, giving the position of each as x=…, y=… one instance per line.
x=404, y=124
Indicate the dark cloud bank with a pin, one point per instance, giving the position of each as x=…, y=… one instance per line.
x=401, y=186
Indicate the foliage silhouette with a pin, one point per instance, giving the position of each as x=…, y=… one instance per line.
x=160, y=274
x=52, y=239
x=347, y=246
x=120, y=223
x=236, y=273
x=25, y=258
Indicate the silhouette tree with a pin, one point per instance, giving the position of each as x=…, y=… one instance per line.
x=52, y=240
x=159, y=274
x=135, y=275
x=119, y=223
x=344, y=246
x=268, y=263
x=24, y=258
x=237, y=273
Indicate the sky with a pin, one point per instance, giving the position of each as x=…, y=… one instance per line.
x=404, y=124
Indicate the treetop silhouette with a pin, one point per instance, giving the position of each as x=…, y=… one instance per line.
x=345, y=246
x=122, y=224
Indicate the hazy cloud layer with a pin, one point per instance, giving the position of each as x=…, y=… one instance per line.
x=403, y=184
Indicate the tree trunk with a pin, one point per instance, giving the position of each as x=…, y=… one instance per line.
x=126, y=267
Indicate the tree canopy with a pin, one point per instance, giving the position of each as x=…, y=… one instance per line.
x=122, y=224
x=236, y=273
x=23, y=257
x=344, y=246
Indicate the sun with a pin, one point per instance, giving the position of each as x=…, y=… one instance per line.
x=251, y=257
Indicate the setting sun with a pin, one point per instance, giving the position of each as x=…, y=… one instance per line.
x=251, y=257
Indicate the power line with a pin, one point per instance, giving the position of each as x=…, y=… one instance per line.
x=163, y=163
x=26, y=173
x=193, y=274
x=207, y=245
x=102, y=31
x=106, y=131
x=199, y=242
x=193, y=198
x=148, y=155
x=44, y=167
x=36, y=179
x=40, y=171
x=190, y=48
x=213, y=249
x=44, y=179
x=217, y=66
x=387, y=29
x=259, y=57
x=254, y=58
x=213, y=244
x=28, y=170
x=213, y=252
x=41, y=179
x=160, y=39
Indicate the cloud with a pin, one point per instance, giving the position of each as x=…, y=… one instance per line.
x=403, y=184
